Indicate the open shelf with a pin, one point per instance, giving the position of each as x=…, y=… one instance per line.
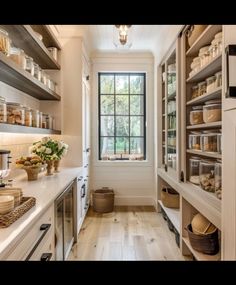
x=13, y=75
x=207, y=70
x=24, y=37
x=207, y=154
x=205, y=126
x=8, y=128
x=201, y=256
x=173, y=215
x=204, y=39
x=215, y=94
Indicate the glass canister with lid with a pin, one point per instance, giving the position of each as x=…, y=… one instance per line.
x=211, y=83
x=218, y=76
x=28, y=116
x=194, y=163
x=18, y=56
x=15, y=113
x=40, y=119
x=3, y=110
x=196, y=115
x=218, y=179
x=29, y=65
x=202, y=88
x=212, y=111
x=37, y=71
x=194, y=140
x=209, y=141
x=207, y=177
x=35, y=118
x=5, y=42
x=44, y=121
x=204, y=55
x=219, y=143
x=195, y=92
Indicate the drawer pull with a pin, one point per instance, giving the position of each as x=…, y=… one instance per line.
x=44, y=228
x=46, y=256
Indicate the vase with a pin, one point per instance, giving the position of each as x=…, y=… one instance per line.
x=32, y=172
x=56, y=165
x=49, y=167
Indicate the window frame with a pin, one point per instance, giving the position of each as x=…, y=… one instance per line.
x=115, y=115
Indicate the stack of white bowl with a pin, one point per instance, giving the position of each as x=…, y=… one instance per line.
x=6, y=204
x=16, y=193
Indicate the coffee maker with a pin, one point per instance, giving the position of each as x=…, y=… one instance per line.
x=4, y=166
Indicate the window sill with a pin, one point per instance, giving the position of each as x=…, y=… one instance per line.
x=125, y=163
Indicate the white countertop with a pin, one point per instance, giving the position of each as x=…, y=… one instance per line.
x=46, y=189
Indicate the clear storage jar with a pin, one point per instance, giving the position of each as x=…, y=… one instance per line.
x=194, y=141
x=28, y=117
x=44, y=121
x=195, y=92
x=15, y=113
x=49, y=122
x=5, y=42
x=37, y=71
x=206, y=173
x=218, y=179
x=35, y=118
x=202, y=88
x=194, y=163
x=219, y=143
x=204, y=55
x=44, y=77
x=196, y=115
x=29, y=65
x=18, y=56
x=210, y=81
x=3, y=110
x=40, y=119
x=218, y=76
x=53, y=51
x=212, y=111
x=209, y=142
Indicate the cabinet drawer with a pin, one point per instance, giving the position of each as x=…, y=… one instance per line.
x=29, y=240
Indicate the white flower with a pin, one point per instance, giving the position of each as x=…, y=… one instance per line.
x=48, y=150
x=60, y=145
x=45, y=139
x=41, y=149
x=64, y=152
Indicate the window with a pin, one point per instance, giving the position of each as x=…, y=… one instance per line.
x=122, y=116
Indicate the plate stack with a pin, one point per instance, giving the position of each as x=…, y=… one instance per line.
x=6, y=204
x=16, y=193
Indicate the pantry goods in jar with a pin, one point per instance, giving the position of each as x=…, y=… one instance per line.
x=35, y=118
x=3, y=110
x=37, y=71
x=5, y=42
x=204, y=55
x=218, y=76
x=53, y=51
x=196, y=115
x=219, y=144
x=195, y=92
x=210, y=83
x=195, y=141
x=212, y=111
x=29, y=64
x=218, y=180
x=15, y=113
x=209, y=141
x=28, y=117
x=207, y=178
x=18, y=56
x=202, y=88
x=40, y=119
x=194, y=170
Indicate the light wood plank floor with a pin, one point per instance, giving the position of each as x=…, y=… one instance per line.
x=128, y=233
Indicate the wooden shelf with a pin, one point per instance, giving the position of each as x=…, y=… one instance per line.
x=171, y=96
x=173, y=215
x=201, y=256
x=204, y=39
x=205, y=126
x=24, y=37
x=13, y=75
x=8, y=128
x=207, y=70
x=215, y=94
x=207, y=154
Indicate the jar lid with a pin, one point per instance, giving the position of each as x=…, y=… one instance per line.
x=195, y=87
x=211, y=102
x=216, y=41
x=201, y=83
x=209, y=134
x=218, y=73
x=15, y=104
x=203, y=49
x=205, y=161
x=195, y=158
x=196, y=59
x=211, y=78
x=2, y=99
x=197, y=107
x=27, y=108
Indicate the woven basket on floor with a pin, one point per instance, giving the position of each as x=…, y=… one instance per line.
x=169, y=198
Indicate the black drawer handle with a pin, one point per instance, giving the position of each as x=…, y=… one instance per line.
x=46, y=256
x=44, y=228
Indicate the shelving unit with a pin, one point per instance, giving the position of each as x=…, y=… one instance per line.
x=207, y=154
x=8, y=128
x=215, y=94
x=173, y=215
x=205, y=126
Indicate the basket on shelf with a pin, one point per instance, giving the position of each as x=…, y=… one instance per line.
x=169, y=197
x=194, y=32
x=205, y=243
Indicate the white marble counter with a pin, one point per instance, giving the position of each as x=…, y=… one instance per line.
x=45, y=190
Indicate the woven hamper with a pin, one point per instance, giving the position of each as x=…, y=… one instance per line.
x=103, y=200
x=169, y=198
x=194, y=32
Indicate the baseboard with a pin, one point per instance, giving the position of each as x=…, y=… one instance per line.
x=134, y=201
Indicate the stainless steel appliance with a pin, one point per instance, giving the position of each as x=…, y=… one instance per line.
x=4, y=165
x=65, y=222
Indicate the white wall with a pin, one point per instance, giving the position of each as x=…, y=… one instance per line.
x=133, y=182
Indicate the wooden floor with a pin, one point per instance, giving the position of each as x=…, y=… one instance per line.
x=128, y=233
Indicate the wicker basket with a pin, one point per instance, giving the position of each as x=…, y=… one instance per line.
x=194, y=32
x=169, y=198
x=9, y=218
x=208, y=243
x=103, y=200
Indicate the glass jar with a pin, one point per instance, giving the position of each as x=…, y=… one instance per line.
x=35, y=118
x=37, y=71
x=48, y=80
x=196, y=115
x=49, y=122
x=194, y=141
x=195, y=92
x=218, y=179
x=40, y=119
x=53, y=51
x=210, y=81
x=29, y=65
x=212, y=111
x=3, y=110
x=206, y=173
x=196, y=64
x=44, y=77
x=5, y=42
x=209, y=142
x=28, y=117
x=204, y=55
x=194, y=163
x=18, y=56
x=218, y=76
x=219, y=144
x=202, y=88
x=44, y=121
x=15, y=113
